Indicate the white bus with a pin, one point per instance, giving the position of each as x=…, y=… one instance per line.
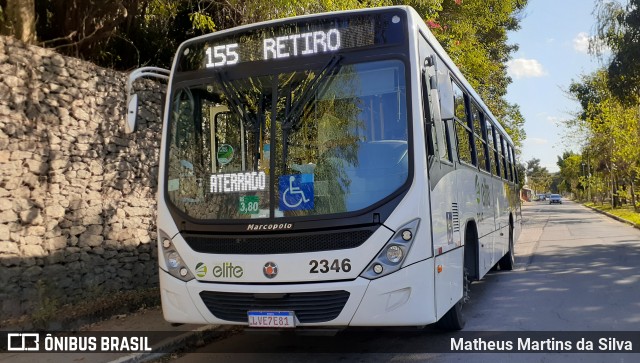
x=328, y=170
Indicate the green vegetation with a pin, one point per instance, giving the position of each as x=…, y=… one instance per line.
x=607, y=169
x=627, y=213
x=539, y=178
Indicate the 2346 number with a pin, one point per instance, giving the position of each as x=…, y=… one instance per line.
x=323, y=266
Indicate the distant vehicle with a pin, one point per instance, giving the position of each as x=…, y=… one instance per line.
x=555, y=198
x=542, y=197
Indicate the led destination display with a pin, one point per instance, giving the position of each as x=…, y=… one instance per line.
x=296, y=40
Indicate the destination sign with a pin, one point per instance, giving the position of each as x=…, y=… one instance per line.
x=238, y=182
x=301, y=44
x=279, y=47
x=294, y=40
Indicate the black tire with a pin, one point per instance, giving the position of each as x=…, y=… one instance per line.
x=454, y=319
x=508, y=261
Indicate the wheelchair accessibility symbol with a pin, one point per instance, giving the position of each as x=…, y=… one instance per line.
x=296, y=192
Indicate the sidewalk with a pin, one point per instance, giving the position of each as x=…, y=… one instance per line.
x=163, y=338
x=619, y=219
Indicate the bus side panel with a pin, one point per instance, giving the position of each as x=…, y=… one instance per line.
x=485, y=219
x=469, y=185
x=446, y=234
x=448, y=282
x=500, y=205
x=516, y=211
x=177, y=305
x=402, y=298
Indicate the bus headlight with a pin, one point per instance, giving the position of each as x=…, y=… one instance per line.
x=393, y=253
x=173, y=262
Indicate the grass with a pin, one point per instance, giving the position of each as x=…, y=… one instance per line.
x=625, y=212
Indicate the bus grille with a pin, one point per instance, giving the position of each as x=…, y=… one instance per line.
x=309, y=307
x=279, y=243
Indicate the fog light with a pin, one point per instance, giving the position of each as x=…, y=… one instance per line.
x=394, y=254
x=378, y=268
x=166, y=243
x=183, y=272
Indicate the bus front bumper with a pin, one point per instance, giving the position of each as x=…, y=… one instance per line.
x=403, y=298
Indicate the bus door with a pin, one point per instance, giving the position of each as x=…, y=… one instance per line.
x=444, y=210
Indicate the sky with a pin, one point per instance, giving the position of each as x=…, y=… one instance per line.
x=553, y=45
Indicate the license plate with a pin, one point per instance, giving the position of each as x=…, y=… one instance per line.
x=272, y=319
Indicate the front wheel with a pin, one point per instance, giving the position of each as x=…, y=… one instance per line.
x=454, y=319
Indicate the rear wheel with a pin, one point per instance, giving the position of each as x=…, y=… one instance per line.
x=508, y=261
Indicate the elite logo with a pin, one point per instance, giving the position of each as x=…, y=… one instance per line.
x=201, y=270
x=227, y=270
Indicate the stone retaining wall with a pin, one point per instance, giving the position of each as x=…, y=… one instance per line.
x=77, y=195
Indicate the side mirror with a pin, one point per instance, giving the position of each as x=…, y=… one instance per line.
x=132, y=114
x=132, y=99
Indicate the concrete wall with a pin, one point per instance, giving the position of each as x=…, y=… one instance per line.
x=77, y=195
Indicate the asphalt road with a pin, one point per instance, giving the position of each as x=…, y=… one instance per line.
x=576, y=271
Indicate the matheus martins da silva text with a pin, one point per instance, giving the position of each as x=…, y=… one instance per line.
x=546, y=345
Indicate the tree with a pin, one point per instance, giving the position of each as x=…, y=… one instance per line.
x=521, y=171
x=612, y=134
x=513, y=122
x=125, y=34
x=474, y=33
x=570, y=171
x=19, y=20
x=539, y=177
x=618, y=29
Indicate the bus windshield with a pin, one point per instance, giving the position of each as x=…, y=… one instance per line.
x=289, y=144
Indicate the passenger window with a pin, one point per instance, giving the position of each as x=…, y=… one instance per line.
x=443, y=141
x=493, y=154
x=511, y=165
x=462, y=130
x=458, y=101
x=481, y=144
x=503, y=153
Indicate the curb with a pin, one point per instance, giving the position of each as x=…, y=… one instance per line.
x=168, y=346
x=619, y=219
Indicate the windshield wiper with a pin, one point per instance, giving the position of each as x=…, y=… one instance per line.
x=294, y=111
x=231, y=93
x=314, y=85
